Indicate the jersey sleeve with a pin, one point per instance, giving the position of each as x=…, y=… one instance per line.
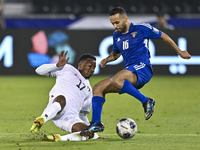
x=115, y=48
x=48, y=70
x=149, y=31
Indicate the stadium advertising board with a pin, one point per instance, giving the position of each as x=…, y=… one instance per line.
x=22, y=50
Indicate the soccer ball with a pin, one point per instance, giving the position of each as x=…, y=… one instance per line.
x=126, y=128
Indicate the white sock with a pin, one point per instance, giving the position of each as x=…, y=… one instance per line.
x=74, y=137
x=95, y=136
x=51, y=111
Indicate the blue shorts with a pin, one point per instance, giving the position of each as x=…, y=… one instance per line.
x=143, y=71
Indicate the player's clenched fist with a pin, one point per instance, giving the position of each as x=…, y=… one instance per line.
x=103, y=63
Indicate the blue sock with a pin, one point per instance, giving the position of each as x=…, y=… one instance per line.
x=97, y=103
x=130, y=89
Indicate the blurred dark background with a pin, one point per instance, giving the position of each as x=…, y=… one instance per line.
x=79, y=7
x=29, y=27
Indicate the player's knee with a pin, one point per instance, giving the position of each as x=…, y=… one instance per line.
x=117, y=83
x=78, y=127
x=60, y=99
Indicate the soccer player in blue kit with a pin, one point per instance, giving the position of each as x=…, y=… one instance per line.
x=132, y=42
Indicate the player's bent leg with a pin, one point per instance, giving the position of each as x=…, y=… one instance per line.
x=126, y=80
x=61, y=100
x=129, y=79
x=73, y=125
x=99, y=91
x=50, y=111
x=78, y=127
x=54, y=108
x=118, y=79
x=103, y=87
x=69, y=137
x=37, y=124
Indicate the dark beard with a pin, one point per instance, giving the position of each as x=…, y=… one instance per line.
x=124, y=28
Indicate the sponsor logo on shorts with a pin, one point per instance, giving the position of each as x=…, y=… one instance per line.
x=137, y=67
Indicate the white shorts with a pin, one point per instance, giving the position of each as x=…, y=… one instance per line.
x=68, y=116
x=66, y=125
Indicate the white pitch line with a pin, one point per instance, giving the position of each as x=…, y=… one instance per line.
x=138, y=134
x=160, y=134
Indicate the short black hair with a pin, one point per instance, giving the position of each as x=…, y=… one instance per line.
x=85, y=56
x=118, y=10
x=161, y=14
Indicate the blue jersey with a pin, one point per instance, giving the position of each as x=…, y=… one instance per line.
x=134, y=45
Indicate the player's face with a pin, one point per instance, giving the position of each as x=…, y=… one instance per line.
x=119, y=22
x=162, y=21
x=87, y=67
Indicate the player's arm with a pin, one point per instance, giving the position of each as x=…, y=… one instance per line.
x=112, y=57
x=169, y=41
x=47, y=69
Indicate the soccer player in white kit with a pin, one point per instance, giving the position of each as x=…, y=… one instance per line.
x=70, y=99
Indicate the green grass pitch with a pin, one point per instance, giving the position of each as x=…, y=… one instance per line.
x=175, y=124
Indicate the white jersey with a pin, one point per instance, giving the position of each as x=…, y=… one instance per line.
x=71, y=84
x=76, y=90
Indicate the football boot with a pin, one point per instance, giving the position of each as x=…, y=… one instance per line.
x=148, y=108
x=55, y=137
x=37, y=124
x=92, y=128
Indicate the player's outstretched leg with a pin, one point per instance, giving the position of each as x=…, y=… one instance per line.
x=92, y=128
x=75, y=136
x=37, y=124
x=148, y=108
x=55, y=137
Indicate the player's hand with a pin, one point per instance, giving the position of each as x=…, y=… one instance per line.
x=103, y=63
x=185, y=55
x=62, y=58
